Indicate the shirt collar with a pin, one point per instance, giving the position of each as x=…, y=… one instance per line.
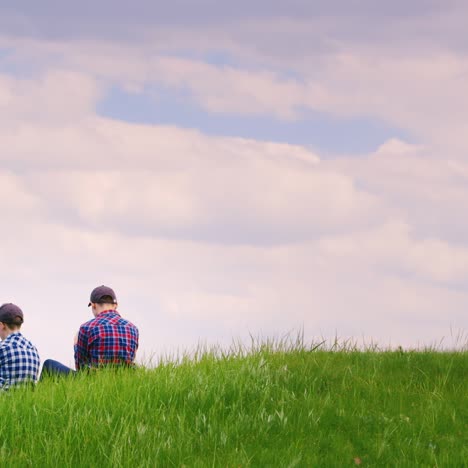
x=106, y=312
x=12, y=336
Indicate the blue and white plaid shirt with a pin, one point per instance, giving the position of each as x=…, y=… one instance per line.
x=19, y=361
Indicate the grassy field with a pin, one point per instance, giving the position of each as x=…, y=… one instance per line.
x=287, y=408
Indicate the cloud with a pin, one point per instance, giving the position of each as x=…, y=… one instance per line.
x=169, y=182
x=391, y=247
x=180, y=292
x=58, y=94
x=422, y=94
x=116, y=19
x=163, y=181
x=215, y=237
x=428, y=191
x=212, y=237
x=249, y=92
x=14, y=195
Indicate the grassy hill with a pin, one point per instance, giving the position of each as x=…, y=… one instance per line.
x=268, y=408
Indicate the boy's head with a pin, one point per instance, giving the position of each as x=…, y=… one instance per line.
x=102, y=298
x=11, y=319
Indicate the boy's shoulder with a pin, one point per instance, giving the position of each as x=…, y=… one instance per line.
x=99, y=320
x=89, y=324
x=12, y=340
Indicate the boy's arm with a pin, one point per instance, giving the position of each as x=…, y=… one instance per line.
x=2, y=362
x=81, y=349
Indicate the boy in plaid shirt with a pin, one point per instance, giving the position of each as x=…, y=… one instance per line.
x=108, y=339
x=19, y=359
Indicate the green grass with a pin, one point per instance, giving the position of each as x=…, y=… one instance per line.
x=284, y=408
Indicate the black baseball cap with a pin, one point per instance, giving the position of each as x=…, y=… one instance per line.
x=9, y=313
x=98, y=293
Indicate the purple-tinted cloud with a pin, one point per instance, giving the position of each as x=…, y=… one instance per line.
x=123, y=19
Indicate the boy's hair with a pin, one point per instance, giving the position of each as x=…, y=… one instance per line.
x=15, y=322
x=106, y=300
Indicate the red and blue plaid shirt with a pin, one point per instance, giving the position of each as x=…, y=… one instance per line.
x=107, y=339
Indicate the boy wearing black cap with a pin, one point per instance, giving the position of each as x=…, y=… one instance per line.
x=106, y=339
x=19, y=359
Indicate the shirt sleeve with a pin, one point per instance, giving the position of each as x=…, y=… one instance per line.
x=81, y=349
x=2, y=363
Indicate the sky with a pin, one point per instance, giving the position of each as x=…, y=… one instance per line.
x=236, y=170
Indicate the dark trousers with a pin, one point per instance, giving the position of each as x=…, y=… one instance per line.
x=52, y=368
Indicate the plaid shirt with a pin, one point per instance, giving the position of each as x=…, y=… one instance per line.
x=19, y=361
x=107, y=339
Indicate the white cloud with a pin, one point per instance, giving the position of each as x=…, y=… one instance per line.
x=428, y=191
x=421, y=93
x=168, y=182
x=230, y=90
x=15, y=196
x=58, y=96
x=181, y=291
x=210, y=237
x=392, y=248
x=222, y=190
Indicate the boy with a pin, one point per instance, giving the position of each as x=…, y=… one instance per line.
x=19, y=359
x=107, y=339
